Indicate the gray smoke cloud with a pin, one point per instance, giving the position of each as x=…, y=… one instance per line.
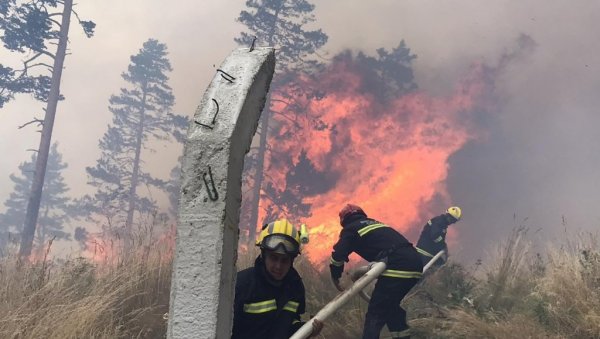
x=539, y=159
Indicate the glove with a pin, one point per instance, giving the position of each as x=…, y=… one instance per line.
x=336, y=271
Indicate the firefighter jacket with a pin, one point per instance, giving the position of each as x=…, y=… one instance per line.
x=263, y=310
x=433, y=236
x=374, y=241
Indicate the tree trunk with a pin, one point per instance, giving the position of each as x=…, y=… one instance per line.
x=35, y=196
x=260, y=164
x=40, y=242
x=262, y=149
x=128, y=236
x=41, y=233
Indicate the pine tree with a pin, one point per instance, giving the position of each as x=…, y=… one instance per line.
x=386, y=76
x=174, y=183
x=141, y=113
x=172, y=188
x=390, y=74
x=55, y=208
x=281, y=24
x=28, y=27
x=302, y=181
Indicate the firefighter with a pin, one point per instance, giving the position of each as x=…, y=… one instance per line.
x=375, y=241
x=433, y=236
x=269, y=297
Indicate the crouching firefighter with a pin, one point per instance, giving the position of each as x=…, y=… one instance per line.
x=269, y=297
x=375, y=241
x=433, y=236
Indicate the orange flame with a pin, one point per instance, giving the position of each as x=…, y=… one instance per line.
x=391, y=159
x=107, y=249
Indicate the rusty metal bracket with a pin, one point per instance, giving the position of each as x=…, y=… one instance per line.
x=214, y=119
x=217, y=112
x=226, y=75
x=203, y=125
x=213, y=195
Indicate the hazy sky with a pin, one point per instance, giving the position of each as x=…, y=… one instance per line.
x=540, y=158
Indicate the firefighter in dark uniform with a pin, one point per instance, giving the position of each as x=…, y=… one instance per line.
x=269, y=297
x=433, y=236
x=375, y=241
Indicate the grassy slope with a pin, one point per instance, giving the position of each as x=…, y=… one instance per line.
x=517, y=294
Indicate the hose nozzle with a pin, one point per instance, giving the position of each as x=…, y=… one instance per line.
x=303, y=234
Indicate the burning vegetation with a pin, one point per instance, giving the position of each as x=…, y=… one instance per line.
x=356, y=128
x=345, y=141
x=514, y=293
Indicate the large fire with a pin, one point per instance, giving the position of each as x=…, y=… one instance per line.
x=390, y=158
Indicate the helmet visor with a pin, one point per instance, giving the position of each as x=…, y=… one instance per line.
x=280, y=243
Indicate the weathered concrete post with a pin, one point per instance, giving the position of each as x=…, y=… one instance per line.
x=202, y=289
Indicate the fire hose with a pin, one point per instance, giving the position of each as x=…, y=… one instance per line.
x=363, y=269
x=373, y=271
x=362, y=277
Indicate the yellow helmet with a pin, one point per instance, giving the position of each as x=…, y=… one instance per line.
x=455, y=212
x=280, y=236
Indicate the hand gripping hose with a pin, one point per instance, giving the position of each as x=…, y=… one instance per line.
x=357, y=273
x=373, y=271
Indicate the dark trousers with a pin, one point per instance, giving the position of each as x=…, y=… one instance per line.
x=384, y=307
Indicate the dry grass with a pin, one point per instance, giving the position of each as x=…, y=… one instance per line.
x=521, y=294
x=515, y=294
x=79, y=298
x=569, y=291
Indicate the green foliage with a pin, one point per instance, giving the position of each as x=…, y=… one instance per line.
x=55, y=207
x=31, y=28
x=302, y=181
x=141, y=113
x=390, y=74
x=5, y=6
x=88, y=27
x=10, y=84
x=281, y=24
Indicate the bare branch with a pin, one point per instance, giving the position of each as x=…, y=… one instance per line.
x=39, y=121
x=26, y=67
x=54, y=21
x=42, y=64
x=283, y=101
x=46, y=53
x=26, y=62
x=76, y=14
x=31, y=150
x=286, y=117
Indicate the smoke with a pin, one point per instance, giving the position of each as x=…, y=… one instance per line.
x=535, y=155
x=408, y=158
x=350, y=145
x=536, y=166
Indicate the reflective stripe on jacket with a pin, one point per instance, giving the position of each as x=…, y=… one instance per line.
x=373, y=240
x=263, y=310
x=433, y=236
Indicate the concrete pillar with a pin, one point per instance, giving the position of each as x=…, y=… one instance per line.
x=204, y=269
